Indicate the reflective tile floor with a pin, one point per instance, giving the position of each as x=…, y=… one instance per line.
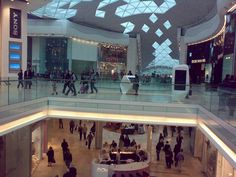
x=82, y=157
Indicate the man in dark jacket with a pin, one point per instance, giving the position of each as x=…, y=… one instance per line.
x=20, y=79
x=72, y=126
x=27, y=77
x=159, y=145
x=68, y=158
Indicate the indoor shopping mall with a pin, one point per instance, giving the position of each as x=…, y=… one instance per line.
x=117, y=88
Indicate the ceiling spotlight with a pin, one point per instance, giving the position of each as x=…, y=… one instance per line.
x=12, y=0
x=27, y=2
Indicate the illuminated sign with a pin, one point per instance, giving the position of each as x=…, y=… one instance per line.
x=199, y=61
x=228, y=58
x=15, y=56
x=15, y=23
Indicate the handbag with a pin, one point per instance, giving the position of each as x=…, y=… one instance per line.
x=53, y=160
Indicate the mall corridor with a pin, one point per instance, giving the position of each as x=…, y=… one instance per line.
x=82, y=157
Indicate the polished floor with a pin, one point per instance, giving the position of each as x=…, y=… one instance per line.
x=82, y=157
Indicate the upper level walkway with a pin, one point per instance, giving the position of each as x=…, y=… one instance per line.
x=222, y=105
x=153, y=105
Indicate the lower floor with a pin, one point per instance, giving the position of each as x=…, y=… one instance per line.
x=83, y=157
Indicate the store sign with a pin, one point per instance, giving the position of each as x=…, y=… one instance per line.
x=15, y=23
x=199, y=61
x=228, y=58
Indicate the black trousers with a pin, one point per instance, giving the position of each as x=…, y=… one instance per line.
x=92, y=86
x=20, y=82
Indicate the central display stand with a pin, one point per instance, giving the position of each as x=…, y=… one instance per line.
x=126, y=84
x=180, y=82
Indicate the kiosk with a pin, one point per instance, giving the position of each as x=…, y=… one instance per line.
x=180, y=82
x=127, y=167
x=126, y=84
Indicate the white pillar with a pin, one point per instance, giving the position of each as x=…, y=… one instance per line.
x=183, y=49
x=132, y=55
x=69, y=53
x=5, y=35
x=36, y=53
x=149, y=139
x=98, y=135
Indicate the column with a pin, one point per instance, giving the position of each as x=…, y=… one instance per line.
x=98, y=135
x=69, y=53
x=132, y=55
x=183, y=49
x=19, y=24
x=149, y=139
x=198, y=144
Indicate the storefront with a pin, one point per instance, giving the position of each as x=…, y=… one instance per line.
x=224, y=169
x=38, y=142
x=207, y=154
x=112, y=60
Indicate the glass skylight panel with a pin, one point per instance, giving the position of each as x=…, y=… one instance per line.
x=145, y=28
x=167, y=24
x=100, y=14
x=159, y=33
x=153, y=18
x=155, y=45
x=168, y=42
x=128, y=27
x=58, y=9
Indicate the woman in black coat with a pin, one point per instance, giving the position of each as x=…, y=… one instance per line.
x=50, y=155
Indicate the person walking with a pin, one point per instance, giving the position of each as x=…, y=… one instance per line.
x=85, y=131
x=159, y=146
x=121, y=141
x=72, y=88
x=176, y=151
x=50, y=155
x=66, y=79
x=53, y=78
x=180, y=160
x=126, y=141
x=93, y=81
x=60, y=123
x=72, y=126
x=68, y=158
x=165, y=131
x=136, y=84
x=80, y=130
x=71, y=85
x=64, y=146
x=172, y=130
x=169, y=157
x=28, y=77
x=161, y=137
x=89, y=139
x=20, y=79
x=179, y=139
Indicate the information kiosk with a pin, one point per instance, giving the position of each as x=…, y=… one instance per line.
x=126, y=84
x=180, y=82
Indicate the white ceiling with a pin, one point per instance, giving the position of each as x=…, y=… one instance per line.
x=179, y=14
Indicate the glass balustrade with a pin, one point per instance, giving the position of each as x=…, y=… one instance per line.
x=220, y=101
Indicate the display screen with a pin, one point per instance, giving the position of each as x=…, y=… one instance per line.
x=15, y=56
x=14, y=66
x=180, y=80
x=15, y=46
